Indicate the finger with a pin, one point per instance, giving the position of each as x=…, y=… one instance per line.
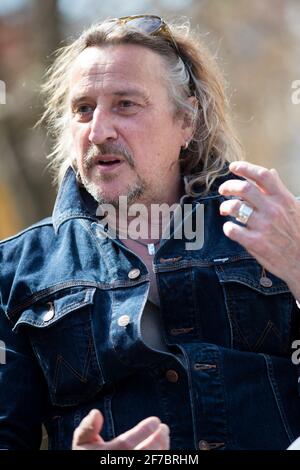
x=159, y=440
x=93, y=446
x=231, y=208
x=268, y=180
x=251, y=240
x=89, y=429
x=244, y=236
x=243, y=189
x=130, y=439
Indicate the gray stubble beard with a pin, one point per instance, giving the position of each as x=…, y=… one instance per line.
x=133, y=194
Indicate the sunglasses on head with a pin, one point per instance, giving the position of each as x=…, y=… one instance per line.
x=154, y=26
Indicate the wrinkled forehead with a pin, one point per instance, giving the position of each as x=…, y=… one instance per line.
x=108, y=64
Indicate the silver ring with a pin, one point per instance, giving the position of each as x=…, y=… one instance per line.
x=244, y=213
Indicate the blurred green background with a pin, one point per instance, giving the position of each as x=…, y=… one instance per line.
x=257, y=45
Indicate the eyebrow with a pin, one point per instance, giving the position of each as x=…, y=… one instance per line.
x=131, y=92
x=122, y=93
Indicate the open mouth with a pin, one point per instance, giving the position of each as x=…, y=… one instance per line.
x=108, y=162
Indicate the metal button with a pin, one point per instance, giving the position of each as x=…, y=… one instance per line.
x=172, y=376
x=204, y=445
x=50, y=312
x=124, y=320
x=265, y=281
x=134, y=273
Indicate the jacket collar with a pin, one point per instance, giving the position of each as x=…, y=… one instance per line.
x=72, y=202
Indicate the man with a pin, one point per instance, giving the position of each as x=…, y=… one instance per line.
x=126, y=339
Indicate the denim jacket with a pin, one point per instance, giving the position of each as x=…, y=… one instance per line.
x=63, y=290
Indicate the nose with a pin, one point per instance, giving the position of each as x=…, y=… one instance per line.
x=102, y=128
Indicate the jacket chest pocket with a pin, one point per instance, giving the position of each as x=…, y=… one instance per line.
x=60, y=330
x=259, y=308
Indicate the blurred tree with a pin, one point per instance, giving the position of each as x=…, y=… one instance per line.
x=24, y=51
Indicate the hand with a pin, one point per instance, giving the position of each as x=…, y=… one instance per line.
x=272, y=234
x=149, y=434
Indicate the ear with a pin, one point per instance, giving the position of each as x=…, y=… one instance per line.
x=189, y=119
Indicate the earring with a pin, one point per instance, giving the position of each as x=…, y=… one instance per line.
x=185, y=146
x=78, y=177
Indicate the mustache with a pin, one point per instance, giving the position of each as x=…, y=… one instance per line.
x=113, y=149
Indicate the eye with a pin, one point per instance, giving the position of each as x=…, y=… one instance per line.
x=127, y=107
x=83, y=111
x=126, y=103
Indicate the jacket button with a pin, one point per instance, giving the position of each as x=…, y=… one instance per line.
x=124, y=320
x=172, y=376
x=204, y=445
x=265, y=281
x=50, y=312
x=134, y=273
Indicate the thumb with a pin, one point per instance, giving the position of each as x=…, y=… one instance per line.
x=89, y=429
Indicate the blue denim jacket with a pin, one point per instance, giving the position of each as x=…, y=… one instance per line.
x=63, y=288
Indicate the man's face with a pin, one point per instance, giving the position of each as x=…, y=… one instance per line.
x=126, y=137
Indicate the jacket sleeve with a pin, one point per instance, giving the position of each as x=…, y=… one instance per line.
x=22, y=391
